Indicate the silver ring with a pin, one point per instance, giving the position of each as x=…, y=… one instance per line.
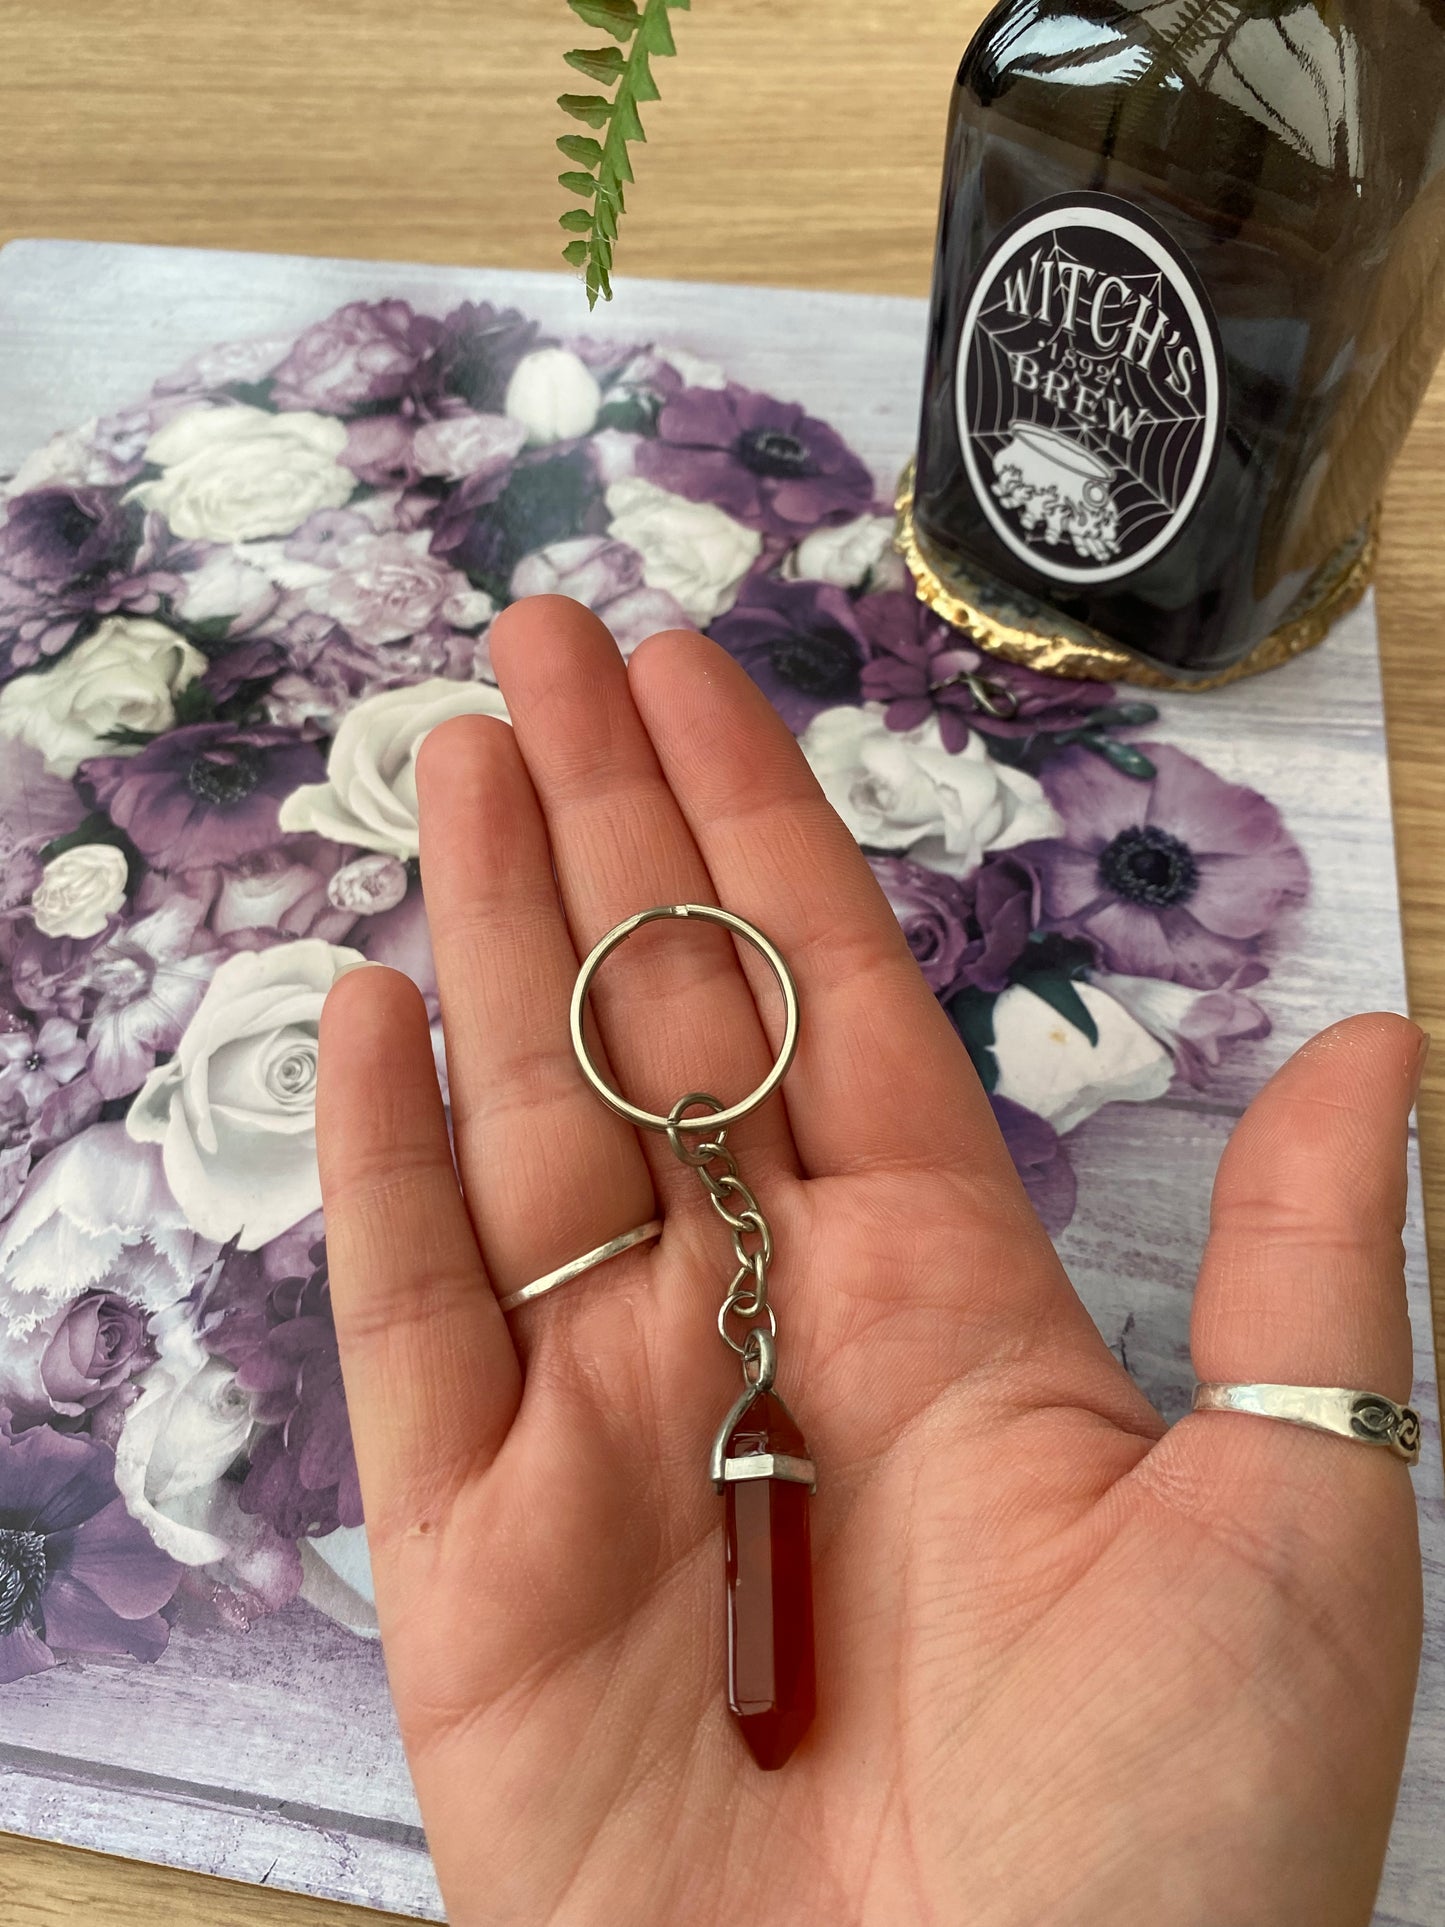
x=1368, y=1417
x=564, y=1274
x=714, y=1120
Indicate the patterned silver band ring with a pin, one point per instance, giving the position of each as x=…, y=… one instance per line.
x=564, y=1274
x=1367, y=1417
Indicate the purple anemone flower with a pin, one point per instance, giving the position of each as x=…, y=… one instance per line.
x=919, y=667
x=58, y=538
x=1041, y=1161
x=68, y=554
x=1172, y=878
x=208, y=793
x=965, y=932
x=76, y=1571
x=768, y=463
x=799, y=643
x=282, y=1340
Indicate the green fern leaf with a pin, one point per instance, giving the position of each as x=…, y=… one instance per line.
x=617, y=17
x=589, y=107
x=604, y=64
x=647, y=33
x=581, y=148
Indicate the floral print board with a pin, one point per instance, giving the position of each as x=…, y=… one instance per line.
x=229, y=614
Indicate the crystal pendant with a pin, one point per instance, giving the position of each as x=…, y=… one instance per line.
x=761, y=1463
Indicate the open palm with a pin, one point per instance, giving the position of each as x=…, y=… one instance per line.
x=1071, y=1668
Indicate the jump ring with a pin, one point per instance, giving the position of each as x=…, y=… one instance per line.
x=703, y=1153
x=728, y=1339
x=717, y=1120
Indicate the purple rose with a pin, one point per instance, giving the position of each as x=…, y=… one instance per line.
x=1176, y=877
x=606, y=577
x=207, y=793
x=478, y=350
x=964, y=932
x=368, y=351
x=380, y=450
x=99, y=1344
x=1041, y=1161
x=76, y=1571
x=767, y=463
x=919, y=667
x=800, y=643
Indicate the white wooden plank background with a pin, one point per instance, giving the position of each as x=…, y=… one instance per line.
x=273, y=1755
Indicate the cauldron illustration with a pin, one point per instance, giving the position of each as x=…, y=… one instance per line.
x=1058, y=488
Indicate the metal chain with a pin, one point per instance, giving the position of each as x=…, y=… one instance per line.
x=746, y=1299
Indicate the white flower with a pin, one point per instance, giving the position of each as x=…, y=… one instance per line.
x=96, y=1214
x=691, y=549
x=234, y=473
x=228, y=587
x=234, y=1110
x=336, y=1579
x=369, y=796
x=125, y=676
x=1048, y=1065
x=858, y=555
x=554, y=395
x=469, y=444
x=695, y=372
x=183, y=1433
x=79, y=890
x=900, y=790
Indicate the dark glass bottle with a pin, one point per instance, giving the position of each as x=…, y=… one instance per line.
x=1189, y=288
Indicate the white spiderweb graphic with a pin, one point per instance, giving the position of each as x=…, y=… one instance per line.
x=1152, y=468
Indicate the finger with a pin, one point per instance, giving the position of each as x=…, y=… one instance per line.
x=880, y=1073
x=548, y=1172
x=673, y=1007
x=432, y=1381
x=1303, y=1278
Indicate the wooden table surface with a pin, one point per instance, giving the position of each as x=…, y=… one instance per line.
x=797, y=142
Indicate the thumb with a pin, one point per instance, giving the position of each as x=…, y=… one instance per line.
x=1303, y=1278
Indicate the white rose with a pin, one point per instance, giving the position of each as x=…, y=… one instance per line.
x=1048, y=1065
x=235, y=473
x=183, y=1433
x=691, y=549
x=125, y=676
x=234, y=1111
x=902, y=790
x=369, y=796
x=79, y=890
x=554, y=395
x=96, y=1214
x=858, y=555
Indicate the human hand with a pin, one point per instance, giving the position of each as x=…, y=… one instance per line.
x=1072, y=1668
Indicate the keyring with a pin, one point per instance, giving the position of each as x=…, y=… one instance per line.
x=705, y=913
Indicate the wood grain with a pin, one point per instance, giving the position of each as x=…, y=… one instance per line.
x=797, y=143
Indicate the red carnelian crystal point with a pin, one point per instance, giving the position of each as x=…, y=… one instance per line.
x=770, y=1590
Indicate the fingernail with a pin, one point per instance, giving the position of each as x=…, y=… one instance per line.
x=1422, y=1057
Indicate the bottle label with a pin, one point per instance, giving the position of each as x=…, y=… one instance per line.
x=1089, y=388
